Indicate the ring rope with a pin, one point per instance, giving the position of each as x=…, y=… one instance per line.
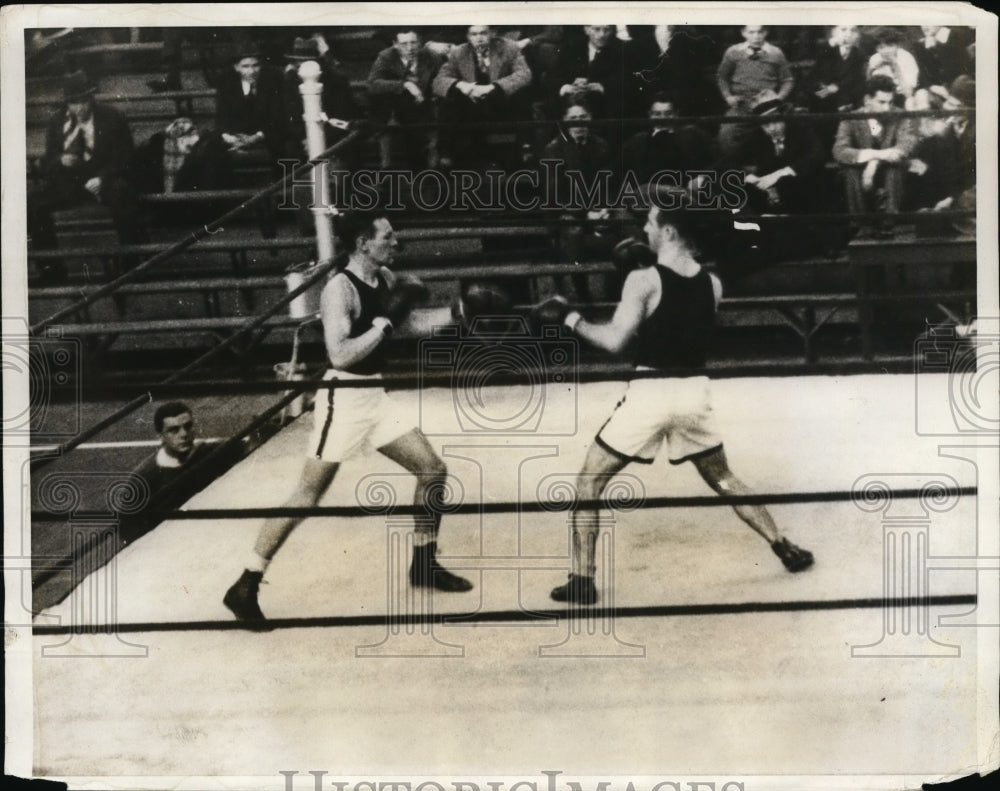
x=320, y=271
x=162, y=497
x=844, y=367
x=552, y=506
x=191, y=239
x=602, y=372
x=401, y=381
x=506, y=616
x=676, y=120
x=544, y=217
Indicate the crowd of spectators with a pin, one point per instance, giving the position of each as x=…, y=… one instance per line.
x=609, y=76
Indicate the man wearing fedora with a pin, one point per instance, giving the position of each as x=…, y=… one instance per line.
x=962, y=94
x=87, y=147
x=249, y=111
x=400, y=85
x=782, y=161
x=942, y=171
x=745, y=70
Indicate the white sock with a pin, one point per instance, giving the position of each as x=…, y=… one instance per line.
x=256, y=563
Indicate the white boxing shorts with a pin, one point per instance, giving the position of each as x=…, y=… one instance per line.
x=653, y=411
x=345, y=419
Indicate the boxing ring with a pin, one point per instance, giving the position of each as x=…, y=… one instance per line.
x=698, y=621
x=703, y=653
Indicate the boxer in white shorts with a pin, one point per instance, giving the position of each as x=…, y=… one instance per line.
x=360, y=305
x=667, y=306
x=347, y=420
x=677, y=412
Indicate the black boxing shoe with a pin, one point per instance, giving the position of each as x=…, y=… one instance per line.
x=426, y=572
x=241, y=599
x=578, y=590
x=795, y=558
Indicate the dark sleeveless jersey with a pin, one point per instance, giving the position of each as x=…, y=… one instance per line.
x=678, y=333
x=372, y=300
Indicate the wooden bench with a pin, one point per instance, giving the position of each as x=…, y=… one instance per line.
x=241, y=247
x=40, y=108
x=883, y=266
x=129, y=47
x=96, y=218
x=798, y=311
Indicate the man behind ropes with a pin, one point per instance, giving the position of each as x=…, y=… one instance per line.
x=87, y=148
x=249, y=111
x=400, y=87
x=360, y=306
x=482, y=81
x=873, y=152
x=746, y=70
x=668, y=307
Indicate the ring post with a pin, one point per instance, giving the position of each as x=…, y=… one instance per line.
x=312, y=102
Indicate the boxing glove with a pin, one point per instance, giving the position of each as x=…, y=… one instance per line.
x=481, y=300
x=403, y=298
x=553, y=311
x=631, y=254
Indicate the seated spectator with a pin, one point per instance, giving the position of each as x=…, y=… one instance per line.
x=782, y=161
x=666, y=146
x=249, y=110
x=837, y=80
x=482, y=81
x=179, y=453
x=400, y=85
x=892, y=61
x=746, y=70
x=594, y=69
x=181, y=159
x=174, y=424
x=873, y=152
x=87, y=147
x=933, y=172
x=166, y=471
x=581, y=156
x=670, y=60
x=941, y=58
x=962, y=94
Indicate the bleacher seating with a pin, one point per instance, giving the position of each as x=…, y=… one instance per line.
x=240, y=272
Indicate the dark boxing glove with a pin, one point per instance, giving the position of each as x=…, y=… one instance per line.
x=481, y=300
x=403, y=298
x=553, y=311
x=631, y=254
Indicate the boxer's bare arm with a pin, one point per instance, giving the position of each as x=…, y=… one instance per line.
x=338, y=306
x=640, y=295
